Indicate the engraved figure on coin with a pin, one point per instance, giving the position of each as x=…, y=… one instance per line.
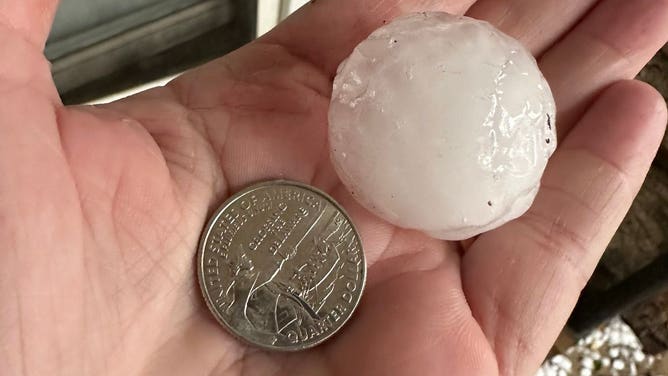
x=287, y=299
x=254, y=290
x=253, y=287
x=240, y=268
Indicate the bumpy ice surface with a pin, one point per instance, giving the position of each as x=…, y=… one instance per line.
x=441, y=124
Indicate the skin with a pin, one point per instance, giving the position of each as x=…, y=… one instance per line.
x=101, y=207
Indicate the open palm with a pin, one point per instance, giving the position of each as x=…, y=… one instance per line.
x=101, y=207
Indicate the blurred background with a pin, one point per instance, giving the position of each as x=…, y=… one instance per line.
x=102, y=50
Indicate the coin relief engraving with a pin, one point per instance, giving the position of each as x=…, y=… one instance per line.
x=281, y=266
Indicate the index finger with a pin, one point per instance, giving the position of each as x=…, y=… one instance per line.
x=324, y=32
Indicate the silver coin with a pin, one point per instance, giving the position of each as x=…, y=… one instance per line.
x=281, y=266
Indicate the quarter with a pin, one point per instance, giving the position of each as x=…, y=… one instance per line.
x=281, y=266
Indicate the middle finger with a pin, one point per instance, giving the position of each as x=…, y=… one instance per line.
x=536, y=23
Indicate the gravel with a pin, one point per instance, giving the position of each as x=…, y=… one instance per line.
x=613, y=350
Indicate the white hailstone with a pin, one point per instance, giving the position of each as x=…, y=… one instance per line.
x=442, y=124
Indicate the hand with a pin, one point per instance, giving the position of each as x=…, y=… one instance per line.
x=101, y=207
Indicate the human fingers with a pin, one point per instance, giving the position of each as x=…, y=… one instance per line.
x=523, y=279
x=324, y=32
x=614, y=42
x=537, y=24
x=30, y=18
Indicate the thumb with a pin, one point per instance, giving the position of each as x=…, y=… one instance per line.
x=24, y=27
x=31, y=19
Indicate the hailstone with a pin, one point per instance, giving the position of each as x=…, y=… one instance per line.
x=442, y=124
